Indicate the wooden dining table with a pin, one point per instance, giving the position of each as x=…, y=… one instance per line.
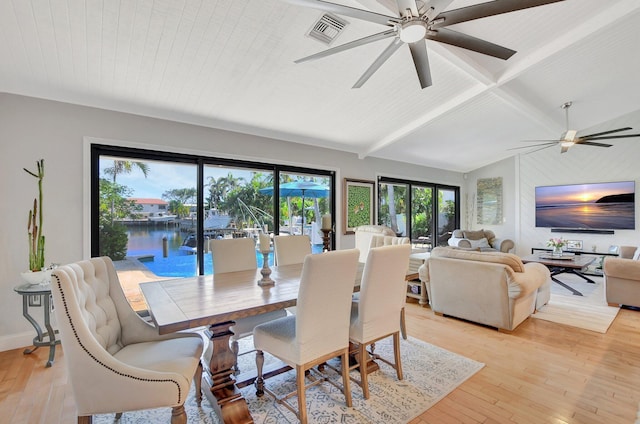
x=215, y=301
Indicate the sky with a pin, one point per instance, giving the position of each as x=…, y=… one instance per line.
x=162, y=177
x=580, y=193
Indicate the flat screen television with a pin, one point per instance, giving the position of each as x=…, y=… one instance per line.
x=587, y=206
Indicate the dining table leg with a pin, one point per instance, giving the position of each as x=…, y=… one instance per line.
x=223, y=394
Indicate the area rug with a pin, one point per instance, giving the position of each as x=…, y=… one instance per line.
x=589, y=311
x=430, y=373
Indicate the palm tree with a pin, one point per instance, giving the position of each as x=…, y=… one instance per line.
x=124, y=167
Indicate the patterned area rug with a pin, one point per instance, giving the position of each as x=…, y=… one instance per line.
x=430, y=373
x=589, y=311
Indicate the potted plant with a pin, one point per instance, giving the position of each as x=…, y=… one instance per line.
x=38, y=273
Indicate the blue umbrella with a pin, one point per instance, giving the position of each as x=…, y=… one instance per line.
x=299, y=189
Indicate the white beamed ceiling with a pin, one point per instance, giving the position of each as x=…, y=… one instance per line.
x=230, y=64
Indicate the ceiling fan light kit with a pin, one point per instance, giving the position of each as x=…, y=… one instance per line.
x=413, y=30
x=414, y=25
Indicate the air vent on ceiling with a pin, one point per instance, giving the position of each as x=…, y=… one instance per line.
x=327, y=28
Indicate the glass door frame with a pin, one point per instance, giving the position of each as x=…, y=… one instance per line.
x=99, y=150
x=434, y=205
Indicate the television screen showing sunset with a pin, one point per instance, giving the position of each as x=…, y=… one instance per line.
x=596, y=206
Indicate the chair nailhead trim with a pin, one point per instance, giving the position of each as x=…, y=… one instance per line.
x=66, y=310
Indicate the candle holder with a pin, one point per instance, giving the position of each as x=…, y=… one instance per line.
x=265, y=271
x=325, y=240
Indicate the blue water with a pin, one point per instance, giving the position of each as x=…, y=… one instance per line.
x=143, y=242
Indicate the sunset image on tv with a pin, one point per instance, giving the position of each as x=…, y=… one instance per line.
x=593, y=206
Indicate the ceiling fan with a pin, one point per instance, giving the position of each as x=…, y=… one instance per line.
x=416, y=24
x=570, y=137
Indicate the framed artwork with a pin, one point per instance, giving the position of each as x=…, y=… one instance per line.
x=489, y=198
x=357, y=204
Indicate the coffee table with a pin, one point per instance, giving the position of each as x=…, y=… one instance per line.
x=568, y=263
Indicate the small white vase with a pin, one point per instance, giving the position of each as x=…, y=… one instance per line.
x=37, y=277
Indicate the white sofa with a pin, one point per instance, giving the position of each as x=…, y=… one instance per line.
x=490, y=288
x=480, y=239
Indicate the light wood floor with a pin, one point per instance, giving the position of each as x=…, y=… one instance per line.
x=541, y=373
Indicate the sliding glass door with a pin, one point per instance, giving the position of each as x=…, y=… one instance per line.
x=427, y=213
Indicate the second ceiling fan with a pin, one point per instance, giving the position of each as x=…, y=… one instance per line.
x=414, y=25
x=570, y=137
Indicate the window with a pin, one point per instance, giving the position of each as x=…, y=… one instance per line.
x=425, y=212
x=161, y=209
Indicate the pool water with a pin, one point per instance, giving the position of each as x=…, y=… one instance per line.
x=148, y=244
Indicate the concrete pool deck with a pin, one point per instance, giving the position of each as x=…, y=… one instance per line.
x=131, y=272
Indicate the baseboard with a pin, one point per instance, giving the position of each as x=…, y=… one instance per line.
x=16, y=341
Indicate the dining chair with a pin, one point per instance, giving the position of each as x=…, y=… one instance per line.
x=239, y=254
x=318, y=332
x=378, y=240
x=291, y=249
x=116, y=361
x=375, y=315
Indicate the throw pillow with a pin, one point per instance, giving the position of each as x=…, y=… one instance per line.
x=636, y=256
x=474, y=235
x=483, y=242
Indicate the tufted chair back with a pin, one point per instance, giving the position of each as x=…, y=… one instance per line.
x=379, y=241
x=112, y=353
x=364, y=233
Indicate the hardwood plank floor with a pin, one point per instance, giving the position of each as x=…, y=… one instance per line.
x=541, y=373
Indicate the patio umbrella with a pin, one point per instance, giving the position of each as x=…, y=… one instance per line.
x=299, y=189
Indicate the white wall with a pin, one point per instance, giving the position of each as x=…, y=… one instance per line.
x=31, y=129
x=507, y=170
x=581, y=164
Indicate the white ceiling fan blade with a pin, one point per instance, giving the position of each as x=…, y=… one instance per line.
x=386, y=54
x=364, y=15
x=433, y=8
x=403, y=5
x=349, y=45
x=421, y=62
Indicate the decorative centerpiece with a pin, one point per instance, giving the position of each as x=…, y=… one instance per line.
x=38, y=273
x=326, y=231
x=265, y=247
x=557, y=244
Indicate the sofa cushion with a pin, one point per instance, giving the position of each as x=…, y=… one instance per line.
x=483, y=242
x=474, y=235
x=508, y=259
x=636, y=256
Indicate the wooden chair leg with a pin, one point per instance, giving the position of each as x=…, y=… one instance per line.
x=198, y=384
x=178, y=415
x=345, y=377
x=396, y=353
x=302, y=400
x=362, y=361
x=403, y=324
x=259, y=380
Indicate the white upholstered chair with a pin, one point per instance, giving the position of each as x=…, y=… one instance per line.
x=320, y=329
x=382, y=297
x=116, y=361
x=239, y=254
x=365, y=233
x=378, y=236
x=291, y=249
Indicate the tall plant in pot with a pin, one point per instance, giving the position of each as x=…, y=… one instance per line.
x=37, y=273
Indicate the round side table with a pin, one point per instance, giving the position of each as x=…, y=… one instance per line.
x=34, y=296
